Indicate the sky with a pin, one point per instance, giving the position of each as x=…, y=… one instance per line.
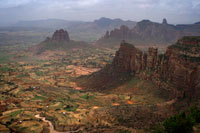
x=176, y=11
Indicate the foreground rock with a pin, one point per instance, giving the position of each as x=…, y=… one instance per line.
x=177, y=71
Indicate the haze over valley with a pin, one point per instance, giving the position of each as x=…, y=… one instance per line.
x=99, y=66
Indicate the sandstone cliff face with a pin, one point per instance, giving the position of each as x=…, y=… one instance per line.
x=184, y=65
x=179, y=66
x=128, y=58
x=177, y=71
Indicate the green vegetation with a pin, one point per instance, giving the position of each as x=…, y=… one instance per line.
x=39, y=98
x=191, y=38
x=182, y=122
x=190, y=58
x=4, y=58
x=39, y=73
x=23, y=128
x=87, y=96
x=5, y=69
x=71, y=108
x=123, y=131
x=15, y=113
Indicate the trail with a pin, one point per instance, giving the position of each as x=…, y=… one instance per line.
x=51, y=127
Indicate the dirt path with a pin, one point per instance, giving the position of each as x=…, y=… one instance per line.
x=51, y=127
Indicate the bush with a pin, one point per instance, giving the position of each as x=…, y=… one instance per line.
x=182, y=123
x=123, y=131
x=195, y=114
x=179, y=123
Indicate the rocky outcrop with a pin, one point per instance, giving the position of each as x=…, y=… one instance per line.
x=60, y=35
x=131, y=59
x=177, y=71
x=164, y=21
x=147, y=33
x=60, y=40
x=180, y=65
x=184, y=66
x=128, y=58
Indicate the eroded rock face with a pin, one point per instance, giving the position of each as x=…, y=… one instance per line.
x=184, y=65
x=180, y=65
x=146, y=33
x=60, y=35
x=128, y=58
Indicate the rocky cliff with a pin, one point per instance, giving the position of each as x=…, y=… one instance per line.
x=178, y=70
x=179, y=66
x=183, y=66
x=147, y=33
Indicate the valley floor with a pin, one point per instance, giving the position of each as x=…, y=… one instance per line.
x=38, y=94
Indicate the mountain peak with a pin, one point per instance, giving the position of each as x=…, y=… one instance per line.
x=103, y=21
x=164, y=21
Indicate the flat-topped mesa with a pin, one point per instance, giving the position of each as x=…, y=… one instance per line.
x=60, y=35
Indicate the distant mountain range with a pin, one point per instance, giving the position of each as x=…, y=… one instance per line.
x=149, y=33
x=47, y=23
x=103, y=31
x=79, y=30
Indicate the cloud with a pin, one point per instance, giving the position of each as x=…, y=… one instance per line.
x=176, y=11
x=50, y=3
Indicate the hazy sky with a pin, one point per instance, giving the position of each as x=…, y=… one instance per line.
x=176, y=11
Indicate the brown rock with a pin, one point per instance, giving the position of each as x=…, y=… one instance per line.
x=128, y=58
x=148, y=33
x=177, y=71
x=61, y=35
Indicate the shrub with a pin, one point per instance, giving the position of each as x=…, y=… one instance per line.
x=179, y=123
x=195, y=114
x=123, y=131
x=183, y=123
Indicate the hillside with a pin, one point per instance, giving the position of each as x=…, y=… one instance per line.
x=149, y=33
